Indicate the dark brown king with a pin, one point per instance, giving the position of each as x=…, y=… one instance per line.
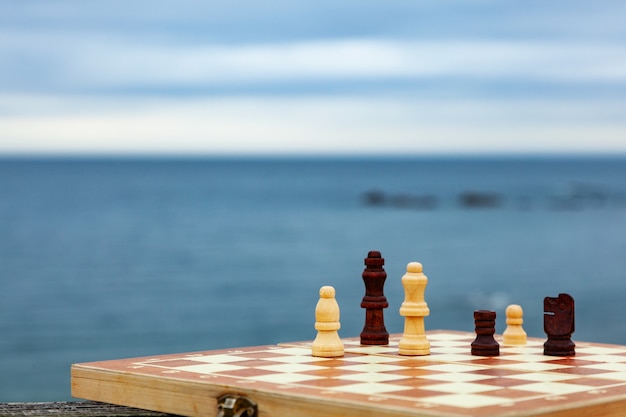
x=374, y=301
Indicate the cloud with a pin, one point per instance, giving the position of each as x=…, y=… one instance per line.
x=432, y=76
x=360, y=58
x=95, y=64
x=285, y=125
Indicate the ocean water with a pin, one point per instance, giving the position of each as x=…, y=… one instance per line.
x=113, y=258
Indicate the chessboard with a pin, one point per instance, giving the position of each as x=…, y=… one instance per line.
x=369, y=380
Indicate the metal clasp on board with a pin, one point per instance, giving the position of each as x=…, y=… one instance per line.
x=229, y=405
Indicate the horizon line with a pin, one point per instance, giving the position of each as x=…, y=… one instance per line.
x=244, y=156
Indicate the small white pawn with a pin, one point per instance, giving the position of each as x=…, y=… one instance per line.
x=414, y=309
x=327, y=344
x=514, y=333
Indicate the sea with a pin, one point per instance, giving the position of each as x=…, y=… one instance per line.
x=106, y=258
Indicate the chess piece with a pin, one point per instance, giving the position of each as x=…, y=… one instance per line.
x=327, y=343
x=558, y=323
x=514, y=333
x=414, y=309
x=485, y=344
x=374, y=301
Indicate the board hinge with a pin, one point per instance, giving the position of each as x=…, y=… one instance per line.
x=229, y=405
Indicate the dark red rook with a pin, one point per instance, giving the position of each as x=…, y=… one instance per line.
x=485, y=344
x=374, y=301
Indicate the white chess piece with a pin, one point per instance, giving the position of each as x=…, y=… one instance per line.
x=327, y=344
x=414, y=309
x=514, y=333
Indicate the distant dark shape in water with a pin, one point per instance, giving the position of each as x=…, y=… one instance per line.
x=580, y=196
x=374, y=198
x=423, y=202
x=476, y=199
x=406, y=201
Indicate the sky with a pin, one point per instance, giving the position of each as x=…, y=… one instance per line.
x=194, y=77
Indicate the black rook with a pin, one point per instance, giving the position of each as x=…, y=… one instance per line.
x=485, y=344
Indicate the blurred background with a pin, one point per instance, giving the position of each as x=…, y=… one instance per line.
x=180, y=176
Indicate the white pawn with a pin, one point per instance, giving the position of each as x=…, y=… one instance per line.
x=414, y=309
x=514, y=333
x=327, y=344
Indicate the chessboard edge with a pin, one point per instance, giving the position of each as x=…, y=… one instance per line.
x=195, y=399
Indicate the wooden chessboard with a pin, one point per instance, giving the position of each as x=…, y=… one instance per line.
x=285, y=380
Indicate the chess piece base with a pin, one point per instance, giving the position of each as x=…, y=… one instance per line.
x=559, y=347
x=486, y=351
x=377, y=339
x=514, y=339
x=412, y=349
x=327, y=345
x=325, y=353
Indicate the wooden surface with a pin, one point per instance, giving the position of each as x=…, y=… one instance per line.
x=286, y=380
x=73, y=409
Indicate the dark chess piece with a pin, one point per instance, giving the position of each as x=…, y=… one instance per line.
x=485, y=344
x=374, y=301
x=558, y=323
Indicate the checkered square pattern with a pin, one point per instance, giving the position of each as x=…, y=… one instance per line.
x=449, y=380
